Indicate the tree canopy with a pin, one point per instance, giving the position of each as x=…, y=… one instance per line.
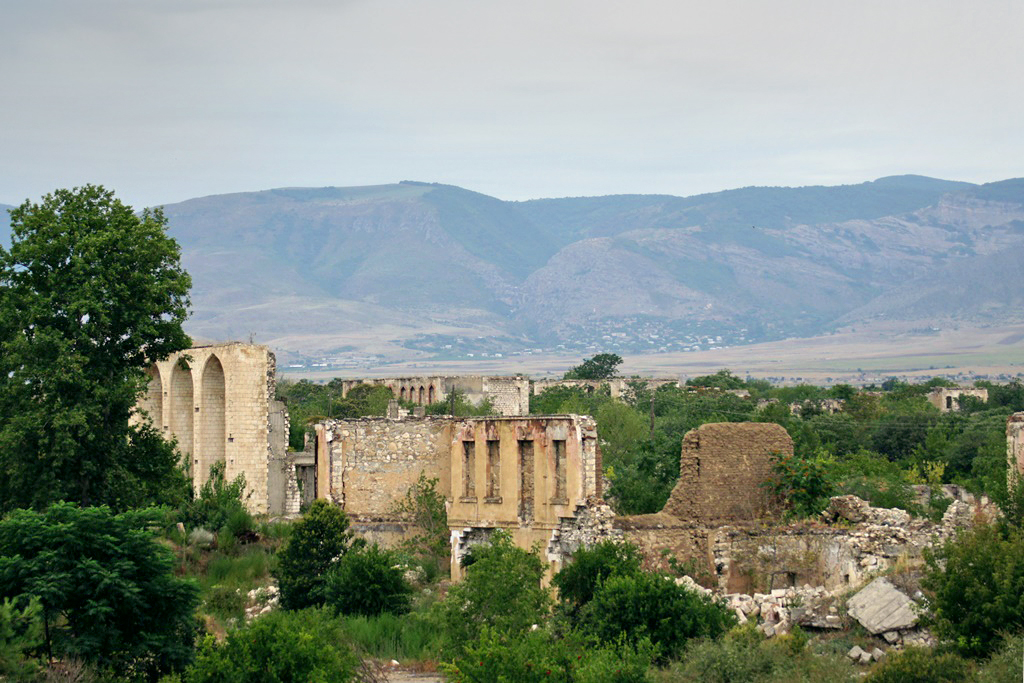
x=601, y=366
x=91, y=293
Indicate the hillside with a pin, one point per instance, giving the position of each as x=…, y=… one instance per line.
x=418, y=270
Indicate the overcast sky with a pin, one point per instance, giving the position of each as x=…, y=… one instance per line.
x=163, y=100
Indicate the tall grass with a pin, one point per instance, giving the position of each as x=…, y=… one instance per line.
x=407, y=637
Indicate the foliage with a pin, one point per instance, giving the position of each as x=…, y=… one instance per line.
x=413, y=635
x=218, y=503
x=106, y=587
x=367, y=581
x=458, y=405
x=723, y=379
x=976, y=585
x=309, y=401
x=424, y=506
x=601, y=366
x=744, y=656
x=590, y=567
x=537, y=656
x=875, y=479
x=501, y=590
x=651, y=606
x=317, y=542
x=921, y=665
x=1005, y=664
x=90, y=295
x=803, y=484
x=280, y=647
x=21, y=633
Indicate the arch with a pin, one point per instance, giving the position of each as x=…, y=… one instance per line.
x=152, y=403
x=401, y=394
x=430, y=394
x=181, y=409
x=422, y=395
x=212, y=428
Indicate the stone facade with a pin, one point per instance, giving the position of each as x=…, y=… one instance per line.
x=508, y=395
x=618, y=386
x=536, y=477
x=1015, y=447
x=722, y=471
x=949, y=399
x=218, y=403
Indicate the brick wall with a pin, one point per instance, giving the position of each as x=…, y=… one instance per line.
x=722, y=469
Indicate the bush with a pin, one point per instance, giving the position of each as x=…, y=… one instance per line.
x=389, y=636
x=219, y=504
x=280, y=647
x=367, y=581
x=803, y=484
x=318, y=540
x=976, y=582
x=21, y=632
x=501, y=591
x=1005, y=664
x=538, y=657
x=921, y=665
x=424, y=506
x=647, y=605
x=745, y=656
x=578, y=581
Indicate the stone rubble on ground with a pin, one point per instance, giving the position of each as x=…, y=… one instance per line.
x=261, y=600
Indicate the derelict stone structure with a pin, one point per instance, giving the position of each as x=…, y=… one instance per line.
x=618, y=387
x=529, y=475
x=508, y=395
x=218, y=403
x=946, y=399
x=1015, y=448
x=722, y=471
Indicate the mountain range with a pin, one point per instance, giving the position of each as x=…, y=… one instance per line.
x=435, y=271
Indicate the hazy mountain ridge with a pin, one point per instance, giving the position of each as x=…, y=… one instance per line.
x=439, y=269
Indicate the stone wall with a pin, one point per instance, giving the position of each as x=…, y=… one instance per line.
x=618, y=386
x=217, y=402
x=509, y=395
x=722, y=471
x=1015, y=447
x=949, y=399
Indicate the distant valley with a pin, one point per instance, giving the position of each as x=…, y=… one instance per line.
x=418, y=272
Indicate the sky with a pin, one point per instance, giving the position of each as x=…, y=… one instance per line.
x=164, y=100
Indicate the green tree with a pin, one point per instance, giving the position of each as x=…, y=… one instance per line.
x=976, y=581
x=367, y=581
x=21, y=633
x=590, y=567
x=317, y=542
x=424, y=506
x=90, y=295
x=107, y=588
x=501, y=591
x=280, y=647
x=601, y=366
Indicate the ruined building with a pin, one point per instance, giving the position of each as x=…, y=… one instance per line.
x=618, y=387
x=218, y=403
x=946, y=399
x=508, y=395
x=527, y=475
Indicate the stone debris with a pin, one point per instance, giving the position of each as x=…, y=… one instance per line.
x=261, y=600
x=881, y=607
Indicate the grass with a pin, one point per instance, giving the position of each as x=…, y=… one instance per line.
x=408, y=637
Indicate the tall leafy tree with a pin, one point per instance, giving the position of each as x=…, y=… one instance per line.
x=106, y=587
x=91, y=293
x=601, y=366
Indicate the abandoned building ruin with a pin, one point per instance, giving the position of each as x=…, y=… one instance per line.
x=946, y=399
x=1015, y=448
x=217, y=402
x=618, y=387
x=507, y=395
x=526, y=475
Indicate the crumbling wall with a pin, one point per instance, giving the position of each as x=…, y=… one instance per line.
x=618, y=387
x=1015, y=447
x=723, y=469
x=946, y=399
x=509, y=395
x=216, y=401
x=372, y=462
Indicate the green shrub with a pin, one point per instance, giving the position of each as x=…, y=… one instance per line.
x=921, y=665
x=578, y=580
x=21, y=632
x=536, y=656
x=318, y=540
x=649, y=606
x=1005, y=665
x=225, y=602
x=803, y=484
x=424, y=506
x=501, y=591
x=744, y=656
x=367, y=581
x=976, y=582
x=280, y=647
x=218, y=503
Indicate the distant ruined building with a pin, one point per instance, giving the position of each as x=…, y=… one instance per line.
x=508, y=395
x=946, y=399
